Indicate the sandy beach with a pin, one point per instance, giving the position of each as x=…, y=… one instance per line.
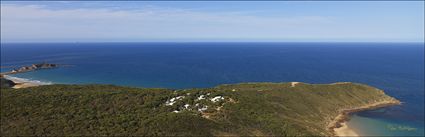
x=345, y=131
x=22, y=83
x=339, y=126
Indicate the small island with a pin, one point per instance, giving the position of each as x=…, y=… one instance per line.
x=246, y=109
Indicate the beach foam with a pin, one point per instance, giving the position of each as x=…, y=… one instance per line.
x=24, y=80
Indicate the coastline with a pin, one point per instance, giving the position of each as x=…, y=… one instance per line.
x=24, y=83
x=345, y=131
x=339, y=127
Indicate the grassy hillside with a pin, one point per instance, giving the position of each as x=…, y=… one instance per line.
x=243, y=109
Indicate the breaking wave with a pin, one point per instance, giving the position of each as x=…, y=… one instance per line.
x=24, y=80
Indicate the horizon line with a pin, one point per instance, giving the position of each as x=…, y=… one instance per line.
x=218, y=42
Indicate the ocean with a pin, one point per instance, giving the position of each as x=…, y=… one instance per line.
x=397, y=68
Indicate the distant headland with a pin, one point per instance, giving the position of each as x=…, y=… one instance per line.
x=19, y=83
x=32, y=67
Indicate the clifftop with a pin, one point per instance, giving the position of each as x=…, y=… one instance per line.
x=279, y=109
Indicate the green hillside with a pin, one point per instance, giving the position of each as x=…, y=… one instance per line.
x=280, y=109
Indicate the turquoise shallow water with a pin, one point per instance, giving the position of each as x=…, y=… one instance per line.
x=367, y=126
x=397, y=68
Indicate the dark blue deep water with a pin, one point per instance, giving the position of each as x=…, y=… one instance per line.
x=397, y=68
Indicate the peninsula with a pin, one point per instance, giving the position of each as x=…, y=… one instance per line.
x=246, y=109
x=32, y=67
x=19, y=83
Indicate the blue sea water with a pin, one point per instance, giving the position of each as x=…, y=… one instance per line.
x=397, y=68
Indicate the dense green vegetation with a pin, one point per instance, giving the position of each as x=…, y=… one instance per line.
x=245, y=109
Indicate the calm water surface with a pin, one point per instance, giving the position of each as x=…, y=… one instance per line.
x=397, y=68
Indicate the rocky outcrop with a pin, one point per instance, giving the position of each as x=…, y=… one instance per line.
x=5, y=83
x=35, y=67
x=31, y=68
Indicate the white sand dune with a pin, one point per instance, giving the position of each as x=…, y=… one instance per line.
x=294, y=83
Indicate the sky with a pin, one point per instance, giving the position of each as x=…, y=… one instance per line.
x=185, y=21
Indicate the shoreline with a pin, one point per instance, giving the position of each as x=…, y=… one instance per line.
x=345, y=131
x=339, y=127
x=23, y=83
